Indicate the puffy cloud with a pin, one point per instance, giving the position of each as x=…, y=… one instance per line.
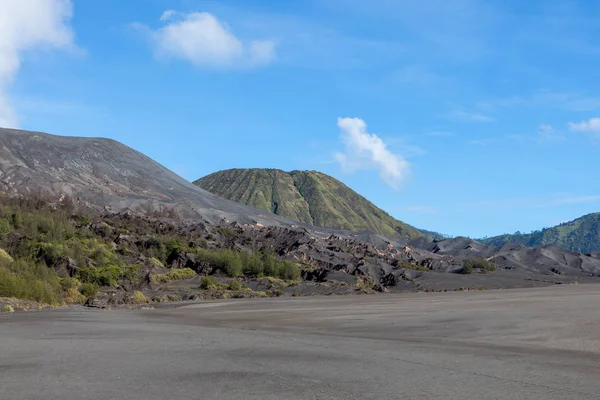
x=368, y=151
x=200, y=38
x=590, y=127
x=26, y=25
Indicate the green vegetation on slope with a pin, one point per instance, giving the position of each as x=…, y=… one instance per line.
x=52, y=254
x=581, y=235
x=305, y=196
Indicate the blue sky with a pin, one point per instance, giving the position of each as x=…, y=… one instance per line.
x=467, y=117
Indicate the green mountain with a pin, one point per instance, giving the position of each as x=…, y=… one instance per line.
x=306, y=196
x=581, y=235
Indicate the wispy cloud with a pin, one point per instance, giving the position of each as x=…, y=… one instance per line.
x=567, y=101
x=590, y=127
x=466, y=116
x=546, y=133
x=202, y=39
x=368, y=151
x=27, y=25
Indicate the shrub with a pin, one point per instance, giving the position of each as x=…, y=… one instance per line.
x=4, y=226
x=69, y=283
x=234, y=284
x=73, y=296
x=467, y=267
x=30, y=282
x=469, y=264
x=227, y=262
x=209, y=282
x=140, y=298
x=8, y=309
x=103, y=276
x=174, y=275
x=288, y=271
x=89, y=290
x=5, y=257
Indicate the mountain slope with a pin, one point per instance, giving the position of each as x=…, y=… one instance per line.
x=306, y=196
x=539, y=261
x=105, y=174
x=581, y=235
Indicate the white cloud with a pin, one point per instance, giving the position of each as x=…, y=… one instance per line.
x=27, y=25
x=368, y=151
x=200, y=38
x=590, y=127
x=167, y=15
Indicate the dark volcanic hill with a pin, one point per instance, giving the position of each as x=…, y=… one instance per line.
x=581, y=235
x=306, y=196
x=106, y=174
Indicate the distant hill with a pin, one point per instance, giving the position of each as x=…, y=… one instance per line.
x=306, y=196
x=546, y=261
x=581, y=235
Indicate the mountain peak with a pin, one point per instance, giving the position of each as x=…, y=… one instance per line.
x=310, y=197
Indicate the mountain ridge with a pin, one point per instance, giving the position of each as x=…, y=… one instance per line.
x=580, y=235
x=310, y=197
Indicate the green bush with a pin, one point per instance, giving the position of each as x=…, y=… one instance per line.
x=4, y=226
x=234, y=284
x=101, y=276
x=482, y=264
x=8, y=309
x=209, y=282
x=288, y=271
x=30, y=282
x=467, y=267
x=140, y=298
x=69, y=283
x=227, y=262
x=174, y=275
x=89, y=290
